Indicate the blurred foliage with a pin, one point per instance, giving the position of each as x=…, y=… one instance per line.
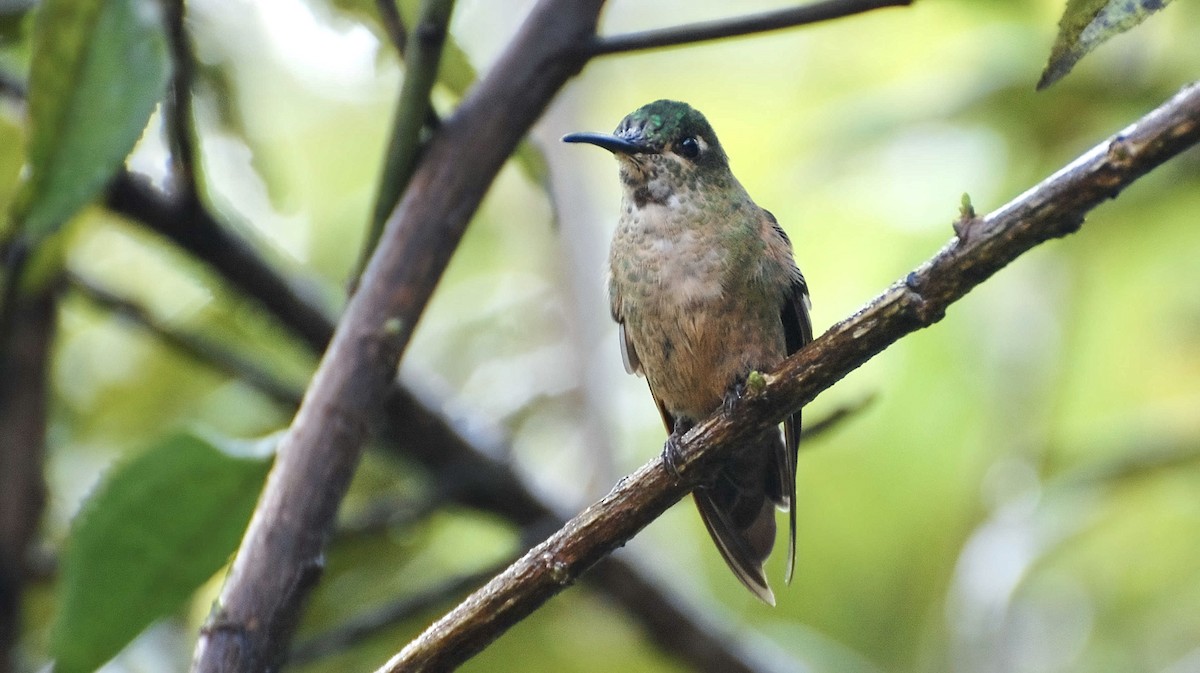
x=158, y=526
x=1020, y=498
x=98, y=70
x=1087, y=23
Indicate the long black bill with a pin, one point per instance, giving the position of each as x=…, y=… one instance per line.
x=611, y=143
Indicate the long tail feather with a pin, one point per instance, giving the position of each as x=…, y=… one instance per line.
x=736, y=543
x=738, y=509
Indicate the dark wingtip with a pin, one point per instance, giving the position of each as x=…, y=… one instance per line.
x=731, y=541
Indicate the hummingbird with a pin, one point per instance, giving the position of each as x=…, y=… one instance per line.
x=705, y=290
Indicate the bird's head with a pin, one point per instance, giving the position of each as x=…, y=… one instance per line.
x=664, y=147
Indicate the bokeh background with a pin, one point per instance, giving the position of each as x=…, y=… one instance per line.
x=1021, y=490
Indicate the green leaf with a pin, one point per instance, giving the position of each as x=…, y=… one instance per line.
x=98, y=69
x=1087, y=23
x=155, y=529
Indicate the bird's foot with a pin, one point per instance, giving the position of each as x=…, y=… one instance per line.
x=671, y=456
x=748, y=386
x=734, y=393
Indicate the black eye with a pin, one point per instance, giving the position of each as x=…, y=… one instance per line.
x=689, y=147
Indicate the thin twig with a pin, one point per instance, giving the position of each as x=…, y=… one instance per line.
x=421, y=59
x=824, y=10
x=397, y=32
x=192, y=227
x=362, y=627
x=835, y=418
x=179, y=120
x=197, y=347
x=1136, y=462
x=1056, y=207
x=388, y=514
x=393, y=23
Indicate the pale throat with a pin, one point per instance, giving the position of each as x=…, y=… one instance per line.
x=653, y=181
x=687, y=267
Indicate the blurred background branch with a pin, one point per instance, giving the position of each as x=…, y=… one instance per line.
x=363, y=627
x=790, y=17
x=192, y=227
x=206, y=351
x=24, y=366
x=393, y=24
x=422, y=54
x=179, y=121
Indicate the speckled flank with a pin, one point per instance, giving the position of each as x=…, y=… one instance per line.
x=693, y=274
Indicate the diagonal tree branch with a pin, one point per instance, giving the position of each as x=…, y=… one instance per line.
x=280, y=556
x=823, y=10
x=1054, y=208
